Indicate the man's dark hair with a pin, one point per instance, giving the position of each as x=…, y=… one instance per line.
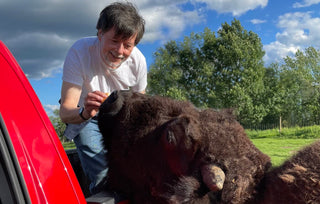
x=124, y=18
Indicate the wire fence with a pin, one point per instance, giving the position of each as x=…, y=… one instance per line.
x=277, y=125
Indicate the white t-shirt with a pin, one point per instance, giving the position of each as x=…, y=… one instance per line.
x=83, y=66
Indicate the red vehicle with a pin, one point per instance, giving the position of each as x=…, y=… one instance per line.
x=34, y=167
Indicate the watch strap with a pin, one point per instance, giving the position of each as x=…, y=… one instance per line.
x=80, y=113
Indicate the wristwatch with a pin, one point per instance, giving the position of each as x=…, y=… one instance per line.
x=80, y=113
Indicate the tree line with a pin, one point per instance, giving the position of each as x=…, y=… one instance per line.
x=226, y=70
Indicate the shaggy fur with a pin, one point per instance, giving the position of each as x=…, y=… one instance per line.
x=297, y=181
x=157, y=147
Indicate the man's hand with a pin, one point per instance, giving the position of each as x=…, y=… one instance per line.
x=92, y=103
x=69, y=110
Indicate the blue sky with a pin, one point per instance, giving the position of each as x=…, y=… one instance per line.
x=40, y=32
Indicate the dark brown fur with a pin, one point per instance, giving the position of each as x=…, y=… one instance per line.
x=156, y=147
x=297, y=181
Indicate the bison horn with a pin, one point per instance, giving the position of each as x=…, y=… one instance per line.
x=213, y=177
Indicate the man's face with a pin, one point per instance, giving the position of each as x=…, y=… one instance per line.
x=114, y=51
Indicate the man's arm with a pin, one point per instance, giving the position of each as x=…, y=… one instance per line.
x=69, y=110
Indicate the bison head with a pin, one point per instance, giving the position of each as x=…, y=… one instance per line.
x=167, y=151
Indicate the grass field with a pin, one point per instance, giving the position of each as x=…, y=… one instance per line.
x=280, y=149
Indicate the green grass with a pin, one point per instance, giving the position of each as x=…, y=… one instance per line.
x=280, y=149
x=281, y=145
x=308, y=132
x=68, y=145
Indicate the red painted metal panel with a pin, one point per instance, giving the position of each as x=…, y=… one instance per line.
x=45, y=166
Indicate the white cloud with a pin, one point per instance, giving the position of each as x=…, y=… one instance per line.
x=50, y=109
x=276, y=52
x=235, y=7
x=39, y=33
x=305, y=3
x=167, y=22
x=299, y=31
x=39, y=54
x=257, y=21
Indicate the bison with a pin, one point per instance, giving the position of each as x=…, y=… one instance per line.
x=296, y=181
x=162, y=150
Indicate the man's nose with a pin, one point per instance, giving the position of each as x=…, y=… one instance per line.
x=120, y=48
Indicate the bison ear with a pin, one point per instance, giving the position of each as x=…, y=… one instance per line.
x=174, y=131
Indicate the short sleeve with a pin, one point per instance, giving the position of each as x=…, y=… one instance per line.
x=72, y=68
x=142, y=74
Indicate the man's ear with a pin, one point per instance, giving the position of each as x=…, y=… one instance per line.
x=100, y=34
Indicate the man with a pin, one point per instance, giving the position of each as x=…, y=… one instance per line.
x=93, y=67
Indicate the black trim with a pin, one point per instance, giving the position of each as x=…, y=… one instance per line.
x=12, y=167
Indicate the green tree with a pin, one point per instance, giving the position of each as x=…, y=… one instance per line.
x=240, y=72
x=300, y=78
x=275, y=95
x=218, y=71
x=177, y=71
x=292, y=89
x=58, y=125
